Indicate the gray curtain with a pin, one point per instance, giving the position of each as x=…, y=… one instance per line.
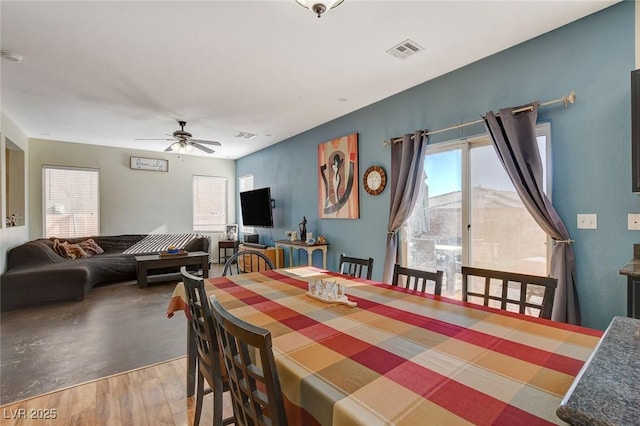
x=407, y=174
x=514, y=138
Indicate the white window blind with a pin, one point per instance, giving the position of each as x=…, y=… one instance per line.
x=71, y=202
x=209, y=203
x=245, y=183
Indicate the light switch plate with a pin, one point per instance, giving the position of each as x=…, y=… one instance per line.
x=634, y=222
x=587, y=221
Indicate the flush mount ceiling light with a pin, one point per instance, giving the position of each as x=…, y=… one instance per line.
x=319, y=6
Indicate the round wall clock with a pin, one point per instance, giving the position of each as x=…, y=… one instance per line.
x=374, y=180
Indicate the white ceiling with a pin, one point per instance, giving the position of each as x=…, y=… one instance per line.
x=108, y=72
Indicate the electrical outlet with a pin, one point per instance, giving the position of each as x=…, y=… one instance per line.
x=587, y=221
x=634, y=222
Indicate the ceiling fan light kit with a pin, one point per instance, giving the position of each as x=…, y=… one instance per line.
x=184, y=141
x=319, y=6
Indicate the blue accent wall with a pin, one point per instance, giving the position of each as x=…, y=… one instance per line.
x=590, y=145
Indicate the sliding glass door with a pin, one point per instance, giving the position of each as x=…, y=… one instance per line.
x=469, y=213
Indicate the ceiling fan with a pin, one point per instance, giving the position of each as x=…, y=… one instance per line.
x=183, y=141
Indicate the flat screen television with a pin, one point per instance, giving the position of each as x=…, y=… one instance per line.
x=256, y=208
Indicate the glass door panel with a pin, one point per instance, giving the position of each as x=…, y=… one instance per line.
x=503, y=235
x=434, y=232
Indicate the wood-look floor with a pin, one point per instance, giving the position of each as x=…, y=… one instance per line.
x=153, y=395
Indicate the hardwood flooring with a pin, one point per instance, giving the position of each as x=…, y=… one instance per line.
x=153, y=395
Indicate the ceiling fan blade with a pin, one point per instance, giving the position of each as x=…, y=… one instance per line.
x=139, y=139
x=216, y=143
x=169, y=148
x=202, y=147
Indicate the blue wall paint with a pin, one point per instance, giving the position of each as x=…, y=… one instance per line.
x=591, y=147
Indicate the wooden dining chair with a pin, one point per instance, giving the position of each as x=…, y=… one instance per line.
x=209, y=359
x=247, y=261
x=353, y=266
x=417, y=279
x=251, y=369
x=526, y=294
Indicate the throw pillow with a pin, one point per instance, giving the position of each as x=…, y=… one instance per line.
x=90, y=247
x=68, y=250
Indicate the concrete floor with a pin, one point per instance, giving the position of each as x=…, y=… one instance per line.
x=116, y=328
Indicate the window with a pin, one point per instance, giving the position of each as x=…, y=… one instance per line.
x=209, y=203
x=469, y=213
x=245, y=183
x=71, y=206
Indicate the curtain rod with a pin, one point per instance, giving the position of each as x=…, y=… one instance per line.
x=569, y=99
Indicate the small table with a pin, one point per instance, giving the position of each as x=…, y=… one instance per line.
x=309, y=248
x=224, y=245
x=155, y=261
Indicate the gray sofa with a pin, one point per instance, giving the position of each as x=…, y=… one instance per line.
x=37, y=274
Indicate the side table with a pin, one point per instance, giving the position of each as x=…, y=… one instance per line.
x=223, y=245
x=309, y=248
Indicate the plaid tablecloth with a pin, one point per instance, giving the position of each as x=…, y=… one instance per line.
x=405, y=358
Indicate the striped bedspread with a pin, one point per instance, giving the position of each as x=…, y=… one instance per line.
x=154, y=243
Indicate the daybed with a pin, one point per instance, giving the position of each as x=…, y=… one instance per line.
x=36, y=273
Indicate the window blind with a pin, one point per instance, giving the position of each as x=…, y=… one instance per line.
x=71, y=202
x=209, y=203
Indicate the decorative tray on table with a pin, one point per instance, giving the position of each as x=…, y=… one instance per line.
x=329, y=292
x=341, y=301
x=172, y=253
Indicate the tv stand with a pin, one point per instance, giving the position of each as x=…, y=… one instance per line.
x=255, y=246
x=276, y=255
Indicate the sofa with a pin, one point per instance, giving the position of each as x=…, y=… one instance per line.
x=37, y=273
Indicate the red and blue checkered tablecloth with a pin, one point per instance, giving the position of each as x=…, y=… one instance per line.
x=405, y=358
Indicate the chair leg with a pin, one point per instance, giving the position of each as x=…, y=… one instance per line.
x=199, y=395
x=217, y=406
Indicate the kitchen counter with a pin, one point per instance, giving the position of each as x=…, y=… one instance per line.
x=605, y=392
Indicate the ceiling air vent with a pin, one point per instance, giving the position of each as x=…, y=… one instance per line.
x=244, y=135
x=405, y=49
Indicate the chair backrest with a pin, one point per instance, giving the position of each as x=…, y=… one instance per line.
x=353, y=266
x=417, y=279
x=202, y=324
x=509, y=290
x=251, y=369
x=247, y=261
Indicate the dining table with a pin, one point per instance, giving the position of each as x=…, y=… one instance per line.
x=395, y=356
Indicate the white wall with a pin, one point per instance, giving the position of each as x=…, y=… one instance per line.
x=15, y=235
x=131, y=201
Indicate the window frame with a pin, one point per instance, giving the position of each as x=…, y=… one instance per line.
x=45, y=191
x=241, y=188
x=217, y=227
x=465, y=145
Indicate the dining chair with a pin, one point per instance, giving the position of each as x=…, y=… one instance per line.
x=247, y=261
x=353, y=266
x=510, y=290
x=209, y=358
x=251, y=369
x=417, y=279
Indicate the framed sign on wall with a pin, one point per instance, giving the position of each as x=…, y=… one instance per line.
x=156, y=164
